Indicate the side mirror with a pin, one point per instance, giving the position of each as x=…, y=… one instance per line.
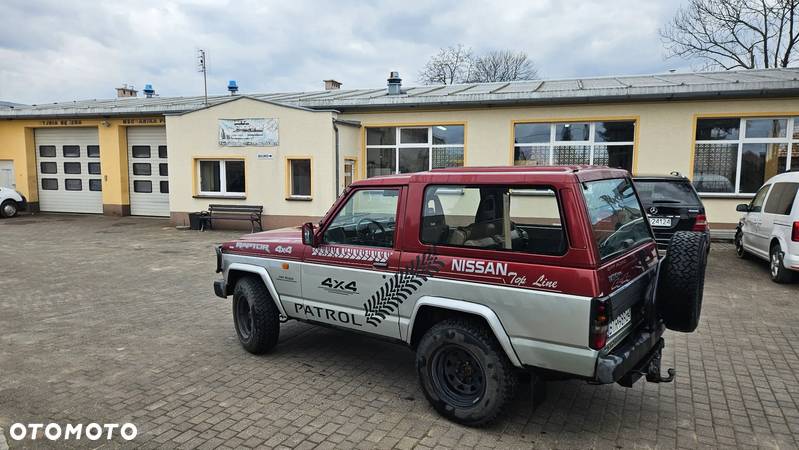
x=743, y=207
x=308, y=236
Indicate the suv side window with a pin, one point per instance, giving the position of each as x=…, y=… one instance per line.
x=781, y=199
x=757, y=202
x=493, y=217
x=368, y=218
x=616, y=217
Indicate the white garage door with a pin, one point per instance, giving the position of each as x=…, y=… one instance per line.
x=148, y=170
x=68, y=164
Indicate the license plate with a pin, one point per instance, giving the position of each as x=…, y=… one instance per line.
x=619, y=322
x=660, y=221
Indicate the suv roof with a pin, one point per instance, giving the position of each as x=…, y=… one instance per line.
x=556, y=173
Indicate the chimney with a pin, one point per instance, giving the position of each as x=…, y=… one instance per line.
x=126, y=91
x=148, y=90
x=232, y=87
x=332, y=85
x=394, y=84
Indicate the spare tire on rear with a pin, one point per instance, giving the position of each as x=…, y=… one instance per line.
x=682, y=281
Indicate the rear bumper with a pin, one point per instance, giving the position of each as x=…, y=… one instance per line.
x=635, y=351
x=23, y=205
x=791, y=261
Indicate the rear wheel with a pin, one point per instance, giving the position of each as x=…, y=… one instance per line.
x=9, y=208
x=255, y=316
x=464, y=372
x=682, y=281
x=777, y=270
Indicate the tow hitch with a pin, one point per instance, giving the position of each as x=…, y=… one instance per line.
x=650, y=367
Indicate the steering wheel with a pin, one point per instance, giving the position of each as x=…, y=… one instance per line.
x=372, y=231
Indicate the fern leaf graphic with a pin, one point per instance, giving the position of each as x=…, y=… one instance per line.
x=400, y=287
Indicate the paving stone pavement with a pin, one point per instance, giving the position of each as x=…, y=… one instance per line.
x=113, y=320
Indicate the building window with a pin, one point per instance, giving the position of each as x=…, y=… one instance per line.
x=47, y=151
x=141, y=169
x=72, y=168
x=95, y=185
x=48, y=167
x=738, y=155
x=73, y=184
x=94, y=168
x=141, y=151
x=71, y=151
x=566, y=143
x=391, y=150
x=299, y=177
x=223, y=177
x=162, y=151
x=142, y=186
x=49, y=184
x=164, y=187
x=93, y=151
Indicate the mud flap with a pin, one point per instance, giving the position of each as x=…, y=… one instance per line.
x=648, y=366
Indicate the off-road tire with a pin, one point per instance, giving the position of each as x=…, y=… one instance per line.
x=5, y=205
x=777, y=270
x=469, y=337
x=739, y=246
x=682, y=281
x=264, y=319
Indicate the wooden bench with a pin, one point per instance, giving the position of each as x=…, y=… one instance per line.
x=251, y=213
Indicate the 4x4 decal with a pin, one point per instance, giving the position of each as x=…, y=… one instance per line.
x=399, y=287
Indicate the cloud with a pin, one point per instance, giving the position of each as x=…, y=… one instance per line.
x=56, y=51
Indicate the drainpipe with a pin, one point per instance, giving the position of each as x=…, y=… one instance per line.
x=335, y=131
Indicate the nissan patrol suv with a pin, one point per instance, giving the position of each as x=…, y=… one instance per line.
x=486, y=273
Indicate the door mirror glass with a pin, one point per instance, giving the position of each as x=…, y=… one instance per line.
x=308, y=237
x=743, y=207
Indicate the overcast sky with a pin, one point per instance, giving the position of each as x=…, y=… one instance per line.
x=64, y=50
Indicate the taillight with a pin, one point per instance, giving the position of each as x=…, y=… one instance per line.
x=701, y=223
x=795, y=234
x=598, y=329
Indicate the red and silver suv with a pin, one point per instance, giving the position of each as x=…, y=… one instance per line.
x=485, y=272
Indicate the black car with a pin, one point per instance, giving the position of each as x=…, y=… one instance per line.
x=671, y=204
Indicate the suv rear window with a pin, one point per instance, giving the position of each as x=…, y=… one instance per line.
x=666, y=191
x=616, y=217
x=493, y=217
x=780, y=201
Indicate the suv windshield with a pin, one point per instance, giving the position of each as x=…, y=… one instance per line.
x=666, y=191
x=616, y=217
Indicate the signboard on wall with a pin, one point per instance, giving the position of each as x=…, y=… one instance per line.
x=248, y=132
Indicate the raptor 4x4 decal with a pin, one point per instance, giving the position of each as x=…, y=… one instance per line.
x=399, y=287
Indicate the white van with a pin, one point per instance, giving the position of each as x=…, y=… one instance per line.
x=770, y=228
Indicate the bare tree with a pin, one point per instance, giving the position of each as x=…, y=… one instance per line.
x=502, y=65
x=450, y=65
x=733, y=34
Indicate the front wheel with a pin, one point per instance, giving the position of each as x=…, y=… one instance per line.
x=464, y=373
x=739, y=245
x=255, y=316
x=9, y=208
x=777, y=270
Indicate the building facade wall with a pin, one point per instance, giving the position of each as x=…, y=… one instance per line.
x=17, y=143
x=664, y=139
x=302, y=134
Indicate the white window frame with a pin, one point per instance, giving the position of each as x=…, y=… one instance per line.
x=222, y=179
x=742, y=139
x=591, y=142
x=398, y=146
x=290, y=174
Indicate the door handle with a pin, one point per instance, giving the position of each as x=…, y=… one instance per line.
x=380, y=264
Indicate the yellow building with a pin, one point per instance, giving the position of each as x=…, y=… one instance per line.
x=292, y=153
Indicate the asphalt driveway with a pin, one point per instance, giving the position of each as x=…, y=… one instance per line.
x=113, y=320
